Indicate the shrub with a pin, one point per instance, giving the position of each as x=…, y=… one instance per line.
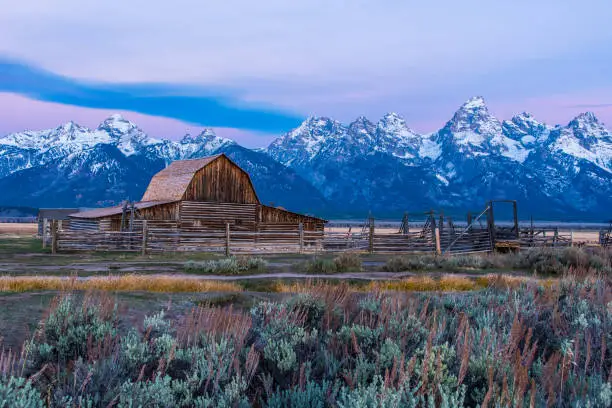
x=560, y=261
x=312, y=306
x=348, y=262
x=159, y=393
x=71, y=330
x=227, y=266
x=320, y=266
x=409, y=263
x=313, y=395
x=345, y=262
x=516, y=343
x=19, y=393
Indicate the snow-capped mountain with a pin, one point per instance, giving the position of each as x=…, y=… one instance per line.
x=557, y=172
x=73, y=165
x=333, y=169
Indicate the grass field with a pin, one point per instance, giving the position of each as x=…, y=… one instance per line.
x=18, y=229
x=198, y=330
x=522, y=345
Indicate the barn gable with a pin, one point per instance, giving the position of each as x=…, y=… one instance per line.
x=214, y=178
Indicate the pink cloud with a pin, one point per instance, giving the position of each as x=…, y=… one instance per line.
x=562, y=108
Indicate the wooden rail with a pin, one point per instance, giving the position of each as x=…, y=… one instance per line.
x=169, y=236
x=267, y=240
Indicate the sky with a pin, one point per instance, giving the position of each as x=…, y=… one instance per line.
x=254, y=70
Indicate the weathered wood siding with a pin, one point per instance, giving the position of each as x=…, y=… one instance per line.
x=166, y=212
x=80, y=224
x=214, y=216
x=221, y=181
x=278, y=216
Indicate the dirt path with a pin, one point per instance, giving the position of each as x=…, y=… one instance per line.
x=369, y=276
x=267, y=276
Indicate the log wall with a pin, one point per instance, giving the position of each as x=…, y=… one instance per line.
x=196, y=215
x=279, y=216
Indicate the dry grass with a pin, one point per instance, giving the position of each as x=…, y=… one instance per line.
x=115, y=283
x=445, y=283
x=453, y=283
x=18, y=228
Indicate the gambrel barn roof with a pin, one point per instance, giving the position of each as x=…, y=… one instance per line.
x=214, y=180
x=171, y=183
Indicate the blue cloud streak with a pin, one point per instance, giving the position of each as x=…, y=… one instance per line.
x=193, y=104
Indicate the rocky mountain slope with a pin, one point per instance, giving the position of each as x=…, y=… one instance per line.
x=554, y=172
x=337, y=170
x=74, y=166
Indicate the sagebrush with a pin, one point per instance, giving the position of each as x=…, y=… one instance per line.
x=227, y=266
x=513, y=346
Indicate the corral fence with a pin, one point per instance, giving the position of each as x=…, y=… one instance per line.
x=424, y=233
x=432, y=236
x=545, y=237
x=605, y=237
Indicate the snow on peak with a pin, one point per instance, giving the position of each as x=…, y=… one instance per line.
x=317, y=127
x=472, y=124
x=117, y=117
x=588, y=117
x=587, y=122
x=392, y=116
x=476, y=102
x=362, y=127
x=319, y=122
x=526, y=129
x=128, y=137
x=524, y=117
x=394, y=125
x=588, y=129
x=70, y=125
x=207, y=138
x=117, y=124
x=392, y=119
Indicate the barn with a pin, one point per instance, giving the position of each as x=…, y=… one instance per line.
x=206, y=194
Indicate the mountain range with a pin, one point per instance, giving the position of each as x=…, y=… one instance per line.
x=335, y=170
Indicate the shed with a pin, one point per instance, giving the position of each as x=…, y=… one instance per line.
x=54, y=214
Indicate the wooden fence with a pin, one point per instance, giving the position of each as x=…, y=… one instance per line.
x=153, y=240
x=284, y=238
x=605, y=238
x=545, y=237
x=280, y=239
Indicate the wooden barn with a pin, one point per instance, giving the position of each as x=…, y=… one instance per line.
x=206, y=194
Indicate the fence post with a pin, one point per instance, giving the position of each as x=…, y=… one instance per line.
x=555, y=237
x=571, y=238
x=437, y=240
x=301, y=236
x=44, y=232
x=53, y=236
x=145, y=237
x=371, y=235
x=227, y=239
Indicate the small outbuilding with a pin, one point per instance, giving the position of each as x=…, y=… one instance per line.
x=47, y=215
